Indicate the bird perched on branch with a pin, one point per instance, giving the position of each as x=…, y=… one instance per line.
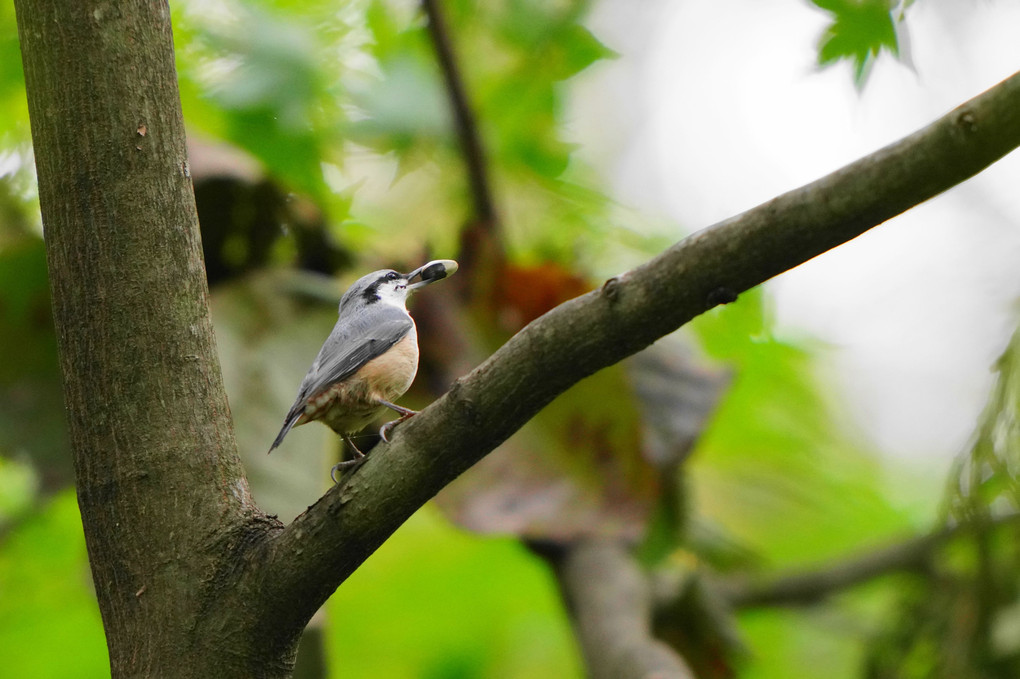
x=368, y=361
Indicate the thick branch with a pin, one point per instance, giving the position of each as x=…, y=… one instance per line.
x=610, y=601
x=313, y=555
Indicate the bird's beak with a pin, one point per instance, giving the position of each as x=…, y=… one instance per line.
x=435, y=270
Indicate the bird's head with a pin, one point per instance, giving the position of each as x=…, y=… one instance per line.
x=391, y=287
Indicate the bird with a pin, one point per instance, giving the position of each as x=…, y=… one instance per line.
x=369, y=359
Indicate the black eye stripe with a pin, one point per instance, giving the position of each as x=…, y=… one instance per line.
x=371, y=293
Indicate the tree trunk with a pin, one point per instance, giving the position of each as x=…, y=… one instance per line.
x=160, y=486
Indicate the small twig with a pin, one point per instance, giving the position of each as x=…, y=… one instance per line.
x=464, y=119
x=811, y=586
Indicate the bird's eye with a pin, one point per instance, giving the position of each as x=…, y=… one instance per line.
x=392, y=276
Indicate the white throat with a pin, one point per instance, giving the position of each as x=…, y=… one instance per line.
x=393, y=296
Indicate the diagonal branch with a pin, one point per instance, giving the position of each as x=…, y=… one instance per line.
x=302, y=565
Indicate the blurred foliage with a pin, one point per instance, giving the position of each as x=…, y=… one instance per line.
x=778, y=481
x=986, y=482
x=49, y=622
x=18, y=488
x=12, y=85
x=514, y=56
x=31, y=416
x=456, y=606
x=259, y=77
x=776, y=465
x=963, y=620
x=339, y=139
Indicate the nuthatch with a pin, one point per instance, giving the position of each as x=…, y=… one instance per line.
x=368, y=361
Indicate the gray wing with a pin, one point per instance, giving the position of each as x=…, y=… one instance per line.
x=351, y=345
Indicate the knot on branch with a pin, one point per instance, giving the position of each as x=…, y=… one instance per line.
x=967, y=121
x=611, y=289
x=463, y=405
x=720, y=295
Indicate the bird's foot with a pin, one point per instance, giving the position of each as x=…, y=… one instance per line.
x=384, y=431
x=345, y=466
x=353, y=464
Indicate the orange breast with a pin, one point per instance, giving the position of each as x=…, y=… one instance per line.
x=389, y=376
x=349, y=406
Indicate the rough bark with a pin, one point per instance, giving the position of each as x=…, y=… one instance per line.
x=192, y=580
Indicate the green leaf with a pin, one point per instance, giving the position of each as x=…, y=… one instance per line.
x=574, y=49
x=859, y=31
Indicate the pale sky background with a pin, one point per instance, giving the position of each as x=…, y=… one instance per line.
x=718, y=106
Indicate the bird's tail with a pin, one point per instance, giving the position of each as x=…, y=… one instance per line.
x=292, y=417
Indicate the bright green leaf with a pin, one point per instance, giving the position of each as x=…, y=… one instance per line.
x=859, y=31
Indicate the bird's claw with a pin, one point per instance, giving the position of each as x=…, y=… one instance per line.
x=345, y=465
x=352, y=464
